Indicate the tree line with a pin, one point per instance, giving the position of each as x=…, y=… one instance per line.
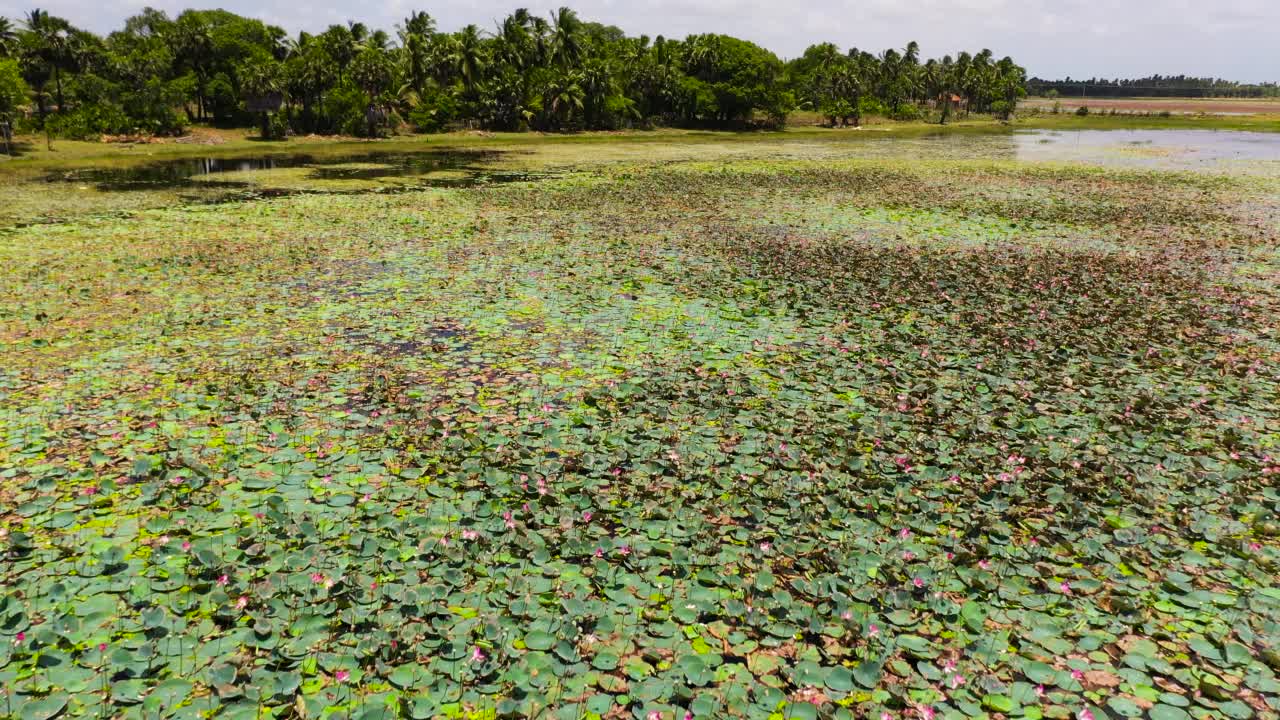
x=158, y=74
x=1181, y=86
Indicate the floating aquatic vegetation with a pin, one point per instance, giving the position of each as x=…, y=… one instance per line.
x=772, y=438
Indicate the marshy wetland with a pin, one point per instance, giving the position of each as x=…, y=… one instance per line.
x=799, y=425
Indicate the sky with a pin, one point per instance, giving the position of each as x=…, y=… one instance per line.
x=1233, y=39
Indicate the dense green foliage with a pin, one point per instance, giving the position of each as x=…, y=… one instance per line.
x=792, y=429
x=13, y=90
x=556, y=73
x=843, y=86
x=1155, y=86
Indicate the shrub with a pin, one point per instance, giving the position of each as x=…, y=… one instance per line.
x=872, y=106
x=277, y=126
x=907, y=111
x=88, y=122
x=1082, y=110
x=13, y=90
x=346, y=107
x=434, y=113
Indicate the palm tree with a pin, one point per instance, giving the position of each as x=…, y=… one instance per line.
x=702, y=54
x=418, y=23
x=374, y=73
x=259, y=79
x=193, y=42
x=51, y=37
x=566, y=38
x=417, y=61
x=516, y=44
x=467, y=55
x=598, y=84
x=564, y=95
x=939, y=83
x=8, y=37
x=378, y=40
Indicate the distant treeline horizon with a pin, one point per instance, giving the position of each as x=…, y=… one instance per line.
x=1154, y=86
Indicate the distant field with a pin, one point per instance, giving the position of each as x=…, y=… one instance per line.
x=1175, y=105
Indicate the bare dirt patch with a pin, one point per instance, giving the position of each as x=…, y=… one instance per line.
x=1173, y=105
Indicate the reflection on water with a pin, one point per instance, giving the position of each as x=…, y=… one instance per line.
x=1210, y=150
x=1156, y=148
x=245, y=176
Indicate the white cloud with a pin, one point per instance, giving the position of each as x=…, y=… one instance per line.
x=1052, y=38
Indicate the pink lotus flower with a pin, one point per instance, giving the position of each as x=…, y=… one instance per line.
x=918, y=582
x=1254, y=547
x=508, y=520
x=926, y=712
x=186, y=545
x=886, y=716
x=688, y=715
x=242, y=603
x=586, y=516
x=342, y=676
x=222, y=580
x=317, y=578
x=1065, y=587
x=949, y=665
x=984, y=564
x=1077, y=675
x=19, y=638
x=653, y=715
x=625, y=550
x=102, y=647
x=470, y=534
x=599, y=552
x=904, y=533
x=1086, y=714
x=1040, y=693
x=477, y=655
x=873, y=630
x=957, y=681
x=908, y=556
x=766, y=547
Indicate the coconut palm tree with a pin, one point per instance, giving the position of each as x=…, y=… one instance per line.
x=417, y=61
x=418, y=23
x=564, y=96
x=467, y=55
x=566, y=38
x=8, y=37
x=50, y=37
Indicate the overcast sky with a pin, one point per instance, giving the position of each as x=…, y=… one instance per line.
x=1235, y=39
